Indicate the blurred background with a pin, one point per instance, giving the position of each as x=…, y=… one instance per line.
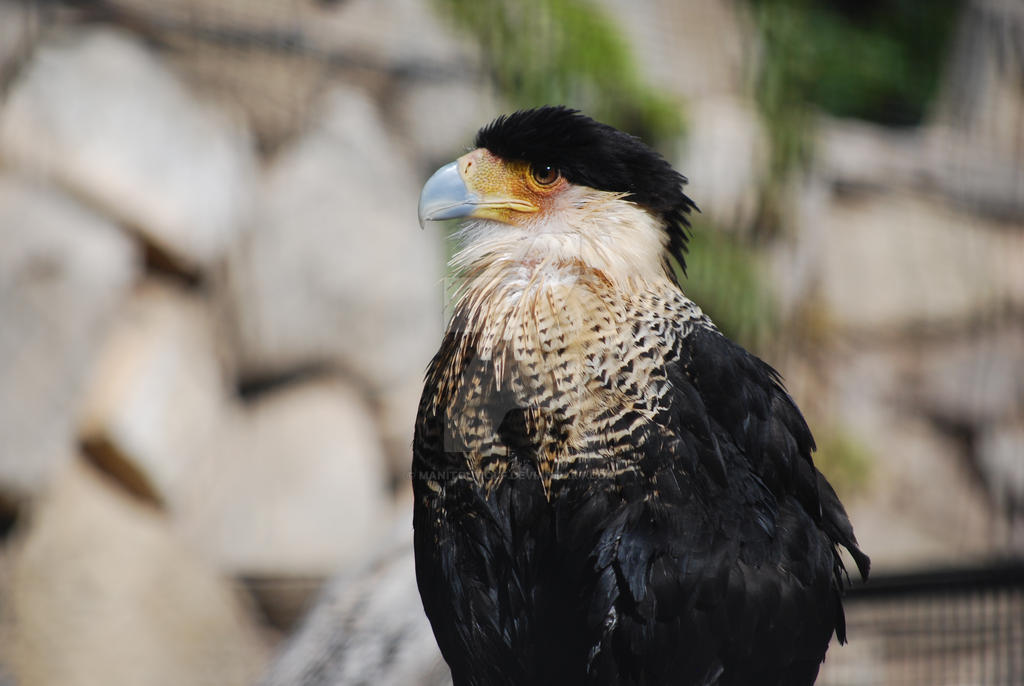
x=216, y=305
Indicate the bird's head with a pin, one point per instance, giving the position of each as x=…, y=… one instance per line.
x=552, y=181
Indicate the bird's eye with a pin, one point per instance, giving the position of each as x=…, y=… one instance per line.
x=545, y=174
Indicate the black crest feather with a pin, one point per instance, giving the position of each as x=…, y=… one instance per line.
x=593, y=154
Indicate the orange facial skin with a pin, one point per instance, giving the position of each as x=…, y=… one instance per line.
x=511, y=192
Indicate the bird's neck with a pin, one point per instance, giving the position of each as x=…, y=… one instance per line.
x=586, y=230
x=559, y=341
x=547, y=309
x=546, y=297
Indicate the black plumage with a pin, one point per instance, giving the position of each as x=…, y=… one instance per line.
x=609, y=491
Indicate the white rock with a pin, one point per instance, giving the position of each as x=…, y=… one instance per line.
x=19, y=25
x=439, y=120
x=980, y=174
x=293, y=486
x=725, y=160
x=1000, y=454
x=694, y=49
x=891, y=262
x=395, y=409
x=375, y=33
x=96, y=111
x=367, y=627
x=274, y=90
x=101, y=592
x=858, y=153
x=923, y=504
x=795, y=261
x=974, y=379
x=925, y=507
x=157, y=396
x=390, y=33
x=981, y=93
x=63, y=271
x=337, y=269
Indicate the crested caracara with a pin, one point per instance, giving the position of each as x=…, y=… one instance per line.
x=607, y=490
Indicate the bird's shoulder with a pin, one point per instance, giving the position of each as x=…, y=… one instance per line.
x=750, y=424
x=730, y=528
x=740, y=400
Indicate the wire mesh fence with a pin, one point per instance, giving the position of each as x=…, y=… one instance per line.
x=962, y=628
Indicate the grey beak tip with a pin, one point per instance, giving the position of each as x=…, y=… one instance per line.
x=445, y=196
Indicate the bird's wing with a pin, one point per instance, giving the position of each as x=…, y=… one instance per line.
x=745, y=399
x=469, y=581
x=732, y=548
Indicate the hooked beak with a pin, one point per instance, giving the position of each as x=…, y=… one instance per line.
x=445, y=196
x=477, y=185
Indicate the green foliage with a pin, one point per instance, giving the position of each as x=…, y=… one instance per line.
x=564, y=52
x=875, y=59
x=878, y=60
x=844, y=460
x=725, y=278
x=786, y=75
